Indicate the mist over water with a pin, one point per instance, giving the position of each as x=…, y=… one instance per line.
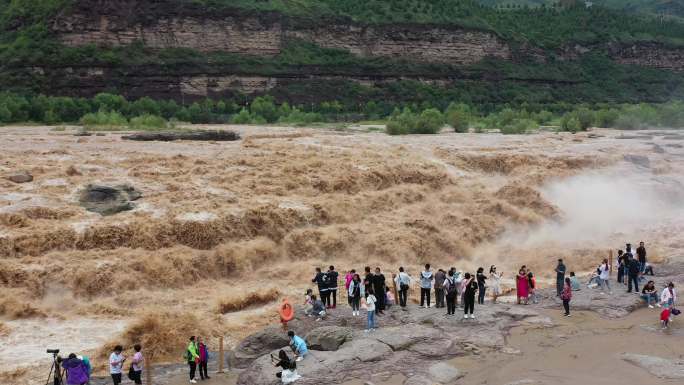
x=605, y=208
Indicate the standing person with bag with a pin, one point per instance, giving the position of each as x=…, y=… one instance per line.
x=333, y=278
x=451, y=289
x=440, y=276
x=469, y=290
x=566, y=296
x=203, y=358
x=192, y=357
x=135, y=374
x=425, y=286
x=481, y=286
x=321, y=281
x=355, y=293
x=403, y=281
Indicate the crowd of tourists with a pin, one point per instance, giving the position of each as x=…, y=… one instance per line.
x=370, y=292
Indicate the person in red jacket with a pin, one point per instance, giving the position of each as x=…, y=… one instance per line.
x=203, y=359
x=566, y=296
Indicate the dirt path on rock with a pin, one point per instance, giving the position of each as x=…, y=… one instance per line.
x=581, y=349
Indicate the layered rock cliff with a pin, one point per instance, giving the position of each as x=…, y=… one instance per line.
x=160, y=24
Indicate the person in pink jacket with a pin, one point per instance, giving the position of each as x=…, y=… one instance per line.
x=347, y=280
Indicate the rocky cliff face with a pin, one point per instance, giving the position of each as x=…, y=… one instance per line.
x=172, y=24
x=649, y=55
x=163, y=24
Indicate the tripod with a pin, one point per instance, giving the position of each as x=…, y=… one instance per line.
x=55, y=370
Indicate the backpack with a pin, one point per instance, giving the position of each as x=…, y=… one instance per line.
x=451, y=290
x=131, y=373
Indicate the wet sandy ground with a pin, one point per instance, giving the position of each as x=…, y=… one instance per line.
x=581, y=349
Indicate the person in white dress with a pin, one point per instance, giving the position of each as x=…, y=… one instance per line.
x=495, y=283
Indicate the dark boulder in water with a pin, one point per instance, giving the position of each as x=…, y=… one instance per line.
x=109, y=200
x=204, y=135
x=20, y=177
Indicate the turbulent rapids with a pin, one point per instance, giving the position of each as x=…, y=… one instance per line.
x=224, y=229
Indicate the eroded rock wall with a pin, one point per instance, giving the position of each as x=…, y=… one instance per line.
x=165, y=24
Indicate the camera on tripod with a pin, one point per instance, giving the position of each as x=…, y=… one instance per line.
x=55, y=371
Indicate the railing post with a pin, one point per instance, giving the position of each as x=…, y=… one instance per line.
x=610, y=260
x=148, y=369
x=221, y=355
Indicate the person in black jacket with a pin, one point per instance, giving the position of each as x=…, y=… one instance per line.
x=367, y=281
x=378, y=281
x=621, y=266
x=633, y=275
x=321, y=279
x=481, y=278
x=469, y=296
x=332, y=286
x=641, y=254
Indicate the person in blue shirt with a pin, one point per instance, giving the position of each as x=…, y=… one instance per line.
x=297, y=345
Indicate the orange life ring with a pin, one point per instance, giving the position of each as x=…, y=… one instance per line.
x=286, y=311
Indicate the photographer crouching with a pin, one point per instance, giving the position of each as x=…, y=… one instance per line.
x=77, y=369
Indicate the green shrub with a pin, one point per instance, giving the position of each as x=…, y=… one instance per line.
x=585, y=117
x=606, y=117
x=296, y=116
x=519, y=126
x=624, y=122
x=458, y=117
x=672, y=114
x=242, y=117
x=430, y=121
x=264, y=107
x=104, y=120
x=401, y=123
x=570, y=123
x=543, y=117
x=148, y=122
x=246, y=117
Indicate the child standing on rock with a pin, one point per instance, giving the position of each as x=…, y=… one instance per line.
x=370, y=307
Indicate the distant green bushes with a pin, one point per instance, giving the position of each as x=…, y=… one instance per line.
x=109, y=111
